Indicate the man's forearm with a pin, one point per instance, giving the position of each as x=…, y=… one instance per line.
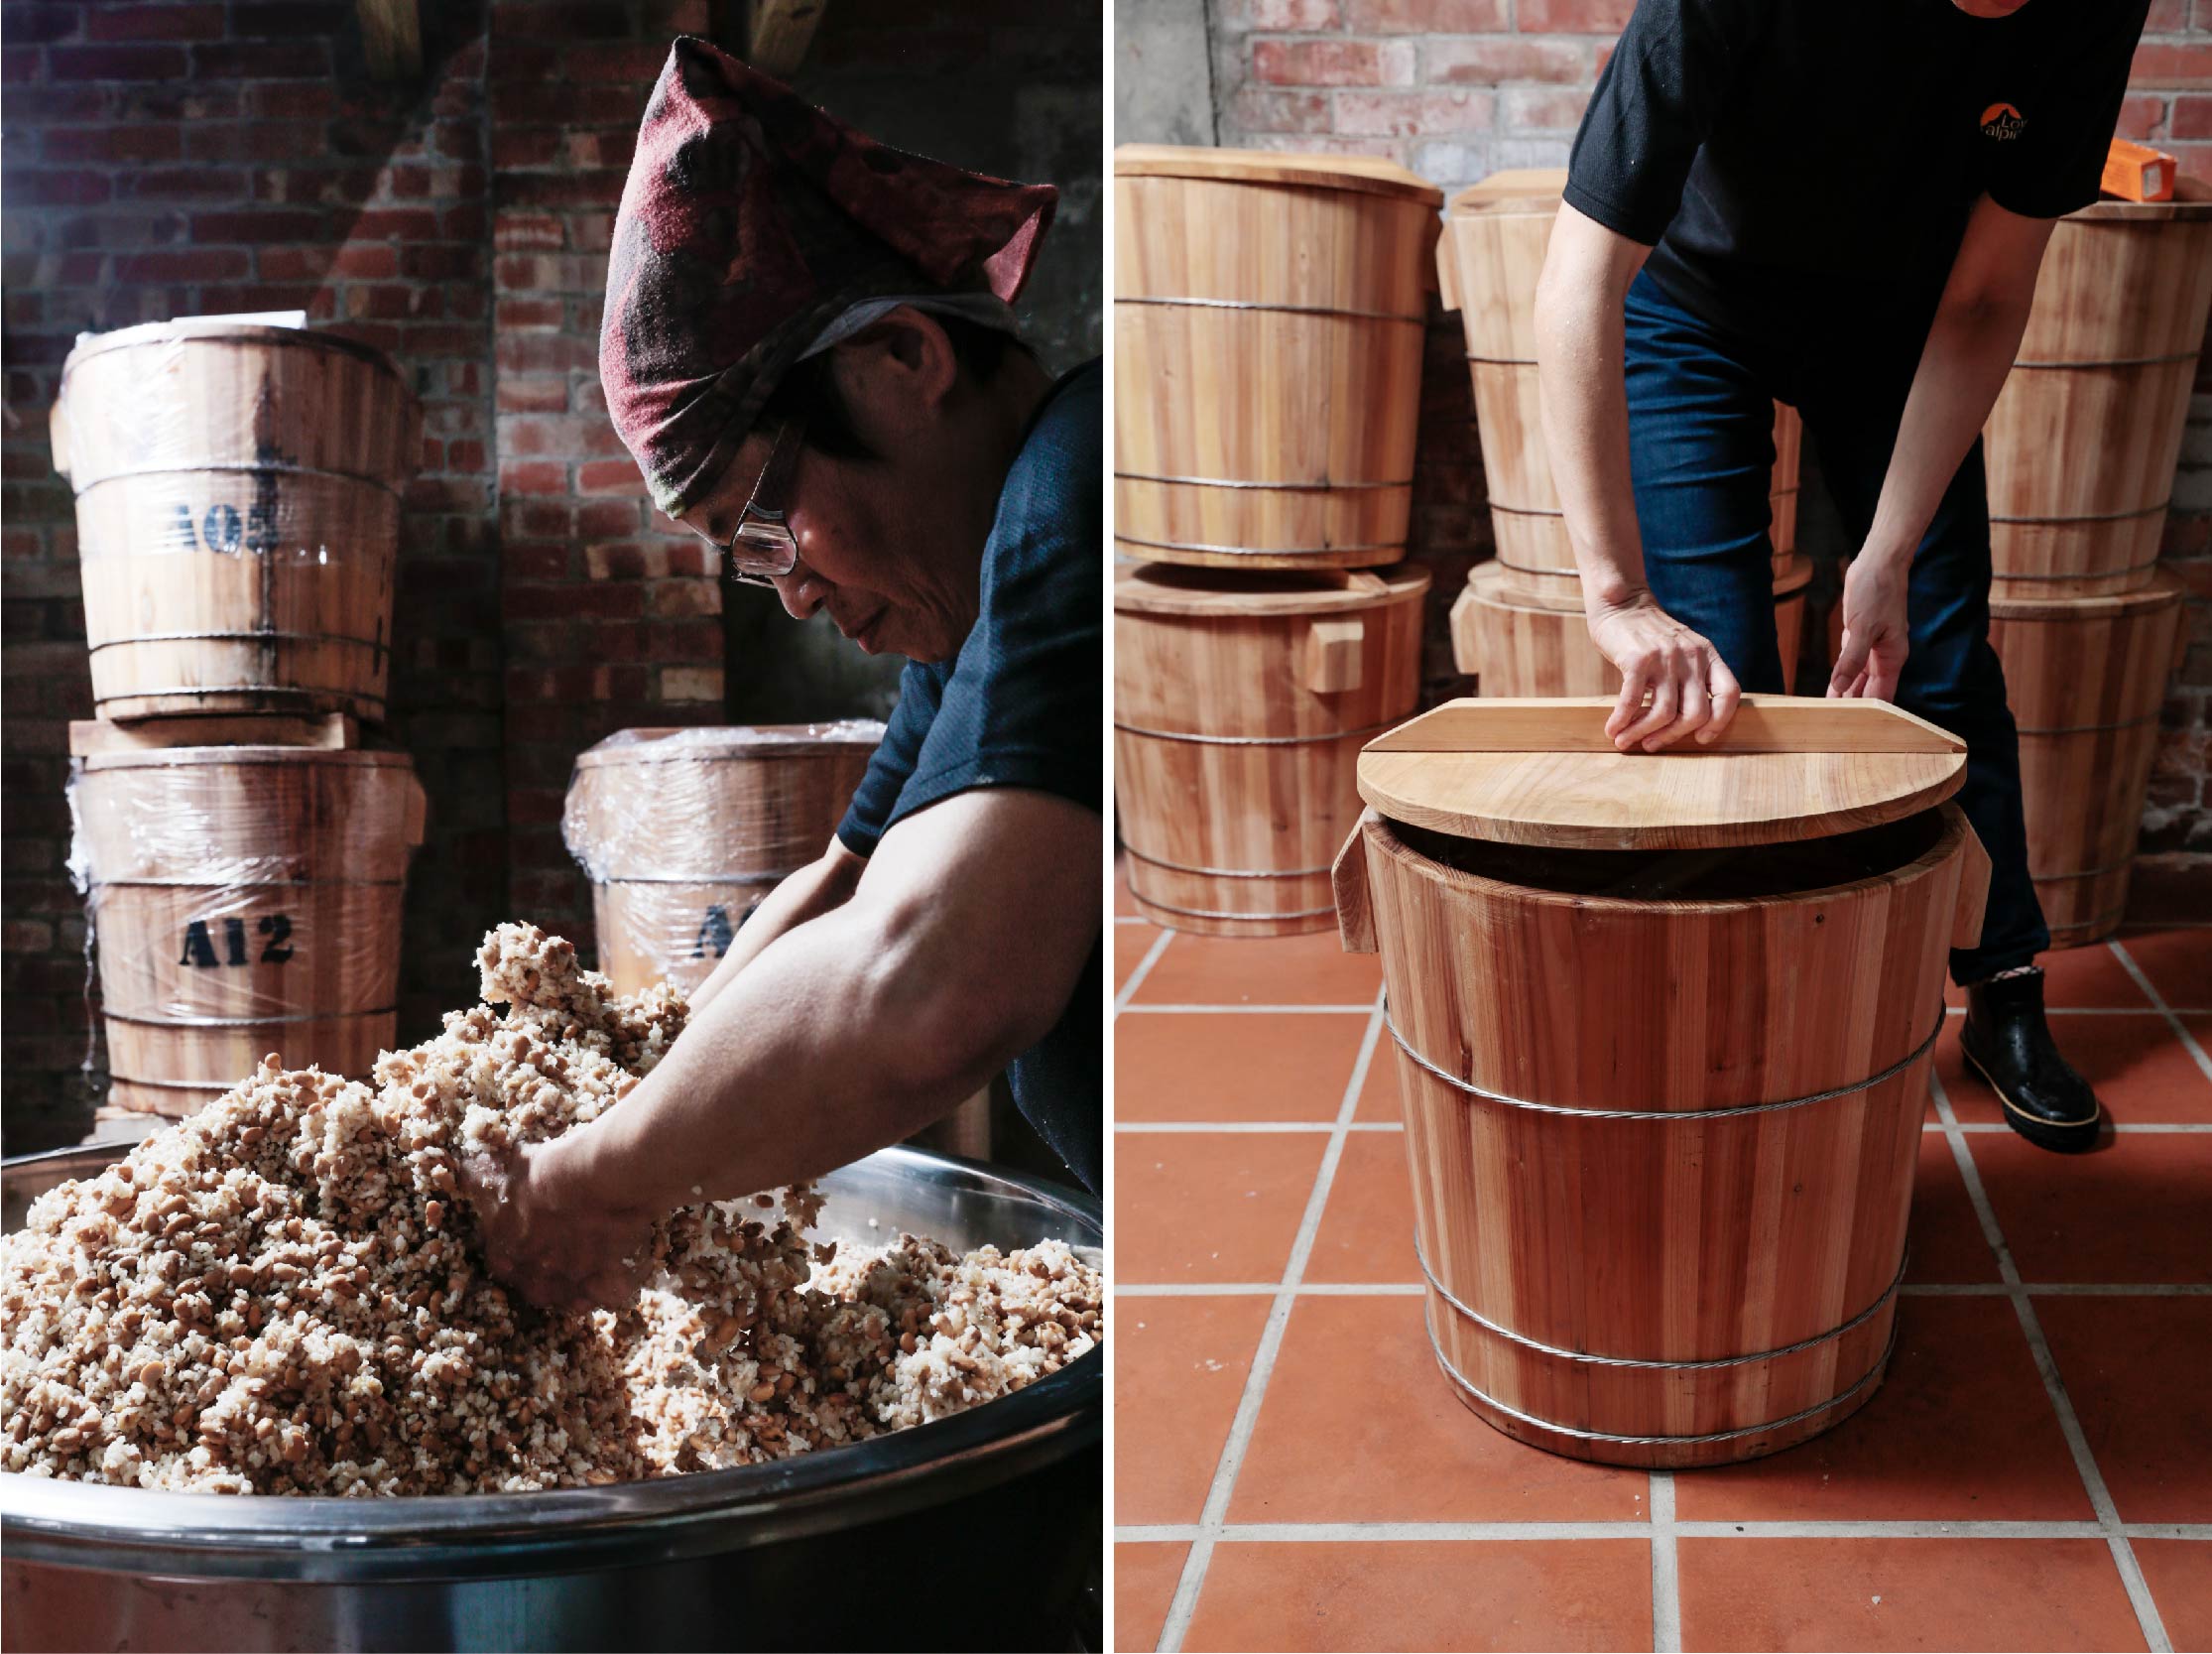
x=821, y=1053
x=823, y=885
x=1581, y=356
x=1969, y=351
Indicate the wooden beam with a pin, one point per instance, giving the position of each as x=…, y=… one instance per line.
x=391, y=38
x=781, y=33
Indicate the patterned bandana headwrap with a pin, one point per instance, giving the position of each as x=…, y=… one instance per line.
x=750, y=222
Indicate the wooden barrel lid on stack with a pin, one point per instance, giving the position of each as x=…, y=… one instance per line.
x=2081, y=448
x=1662, y=1230
x=237, y=501
x=1518, y=625
x=1270, y=313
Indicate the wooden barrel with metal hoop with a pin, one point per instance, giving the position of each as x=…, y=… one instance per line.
x=1269, y=315
x=244, y=900
x=2086, y=677
x=1488, y=262
x=684, y=833
x=1240, y=701
x=1519, y=638
x=1661, y=1210
x=237, y=505
x=2082, y=443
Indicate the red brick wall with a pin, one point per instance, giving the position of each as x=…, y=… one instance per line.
x=1458, y=88
x=173, y=157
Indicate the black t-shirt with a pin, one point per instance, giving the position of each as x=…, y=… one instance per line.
x=1755, y=143
x=1020, y=706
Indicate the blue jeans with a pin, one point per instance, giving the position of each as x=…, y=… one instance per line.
x=1702, y=416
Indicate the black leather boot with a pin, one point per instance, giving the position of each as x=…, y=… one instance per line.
x=2007, y=1042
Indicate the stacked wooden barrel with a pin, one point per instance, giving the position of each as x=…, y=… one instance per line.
x=1518, y=625
x=2082, y=449
x=237, y=501
x=1270, y=313
x=1662, y=1230
x=684, y=833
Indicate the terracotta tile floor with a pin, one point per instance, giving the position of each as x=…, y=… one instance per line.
x=1292, y=1472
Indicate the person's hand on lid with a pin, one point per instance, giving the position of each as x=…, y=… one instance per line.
x=1689, y=690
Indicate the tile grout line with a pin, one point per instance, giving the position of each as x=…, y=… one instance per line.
x=1144, y=969
x=2055, y=1388
x=1666, y=1578
x=1289, y=1533
x=1213, y=1517
x=2158, y=1001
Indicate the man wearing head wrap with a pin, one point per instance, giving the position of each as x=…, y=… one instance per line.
x=809, y=349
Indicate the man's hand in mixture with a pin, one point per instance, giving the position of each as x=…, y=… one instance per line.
x=548, y=1237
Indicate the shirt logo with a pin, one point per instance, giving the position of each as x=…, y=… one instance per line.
x=2002, y=122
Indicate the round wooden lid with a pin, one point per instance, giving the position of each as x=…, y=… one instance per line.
x=176, y=758
x=1521, y=190
x=1220, y=594
x=2164, y=589
x=1543, y=772
x=2192, y=201
x=680, y=744
x=209, y=331
x=1361, y=173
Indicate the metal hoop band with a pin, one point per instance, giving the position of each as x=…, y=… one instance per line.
x=1226, y=872
x=2086, y=872
x=2084, y=729
x=699, y=878
x=1282, y=309
x=2096, y=517
x=1254, y=740
x=245, y=1022
x=2132, y=568
x=2119, y=361
x=1251, y=551
x=1243, y=483
x=1503, y=361
x=233, y=637
x=1216, y=913
x=253, y=469
x=1527, y=1343
x=228, y=885
x=1472, y=1089
x=1488, y=1400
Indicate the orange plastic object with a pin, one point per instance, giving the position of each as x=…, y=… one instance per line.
x=2138, y=172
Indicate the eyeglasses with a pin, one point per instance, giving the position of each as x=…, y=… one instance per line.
x=763, y=548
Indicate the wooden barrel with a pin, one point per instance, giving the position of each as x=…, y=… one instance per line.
x=2082, y=443
x=1660, y=1212
x=1520, y=639
x=1269, y=317
x=237, y=501
x=1240, y=703
x=245, y=900
x=1488, y=262
x=685, y=832
x=2086, y=678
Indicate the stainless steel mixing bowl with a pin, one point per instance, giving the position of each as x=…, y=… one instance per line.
x=978, y=1531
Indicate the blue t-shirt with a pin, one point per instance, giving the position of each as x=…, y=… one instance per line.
x=1020, y=706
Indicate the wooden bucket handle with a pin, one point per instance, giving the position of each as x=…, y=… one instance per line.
x=1333, y=651
x=57, y=431
x=418, y=812
x=1355, y=915
x=1466, y=633
x=1973, y=888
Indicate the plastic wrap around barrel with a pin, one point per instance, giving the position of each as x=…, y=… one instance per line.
x=684, y=833
x=1489, y=260
x=1240, y=704
x=1661, y=1213
x=1269, y=318
x=1520, y=636
x=237, y=504
x=244, y=900
x=2086, y=678
x=2083, y=440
